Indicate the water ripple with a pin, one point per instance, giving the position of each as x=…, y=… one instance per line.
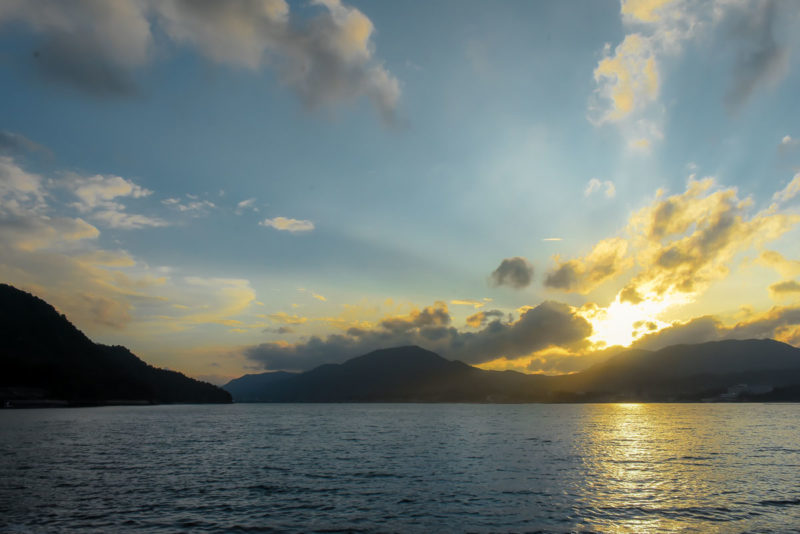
x=410, y=468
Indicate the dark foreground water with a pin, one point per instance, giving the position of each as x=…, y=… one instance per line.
x=409, y=468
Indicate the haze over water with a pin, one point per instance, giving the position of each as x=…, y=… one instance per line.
x=610, y=468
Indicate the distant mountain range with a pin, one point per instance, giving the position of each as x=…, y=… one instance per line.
x=754, y=369
x=45, y=359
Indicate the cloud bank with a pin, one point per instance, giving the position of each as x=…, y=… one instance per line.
x=325, y=56
x=548, y=324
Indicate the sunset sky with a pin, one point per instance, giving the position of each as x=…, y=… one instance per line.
x=227, y=188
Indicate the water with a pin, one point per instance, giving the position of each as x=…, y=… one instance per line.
x=410, y=468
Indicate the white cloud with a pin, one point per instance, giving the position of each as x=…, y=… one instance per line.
x=118, y=218
x=194, y=207
x=19, y=190
x=596, y=185
x=97, y=191
x=97, y=197
x=289, y=225
x=247, y=204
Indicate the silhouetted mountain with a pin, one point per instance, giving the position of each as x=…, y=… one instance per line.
x=250, y=388
x=687, y=372
x=412, y=374
x=401, y=374
x=43, y=355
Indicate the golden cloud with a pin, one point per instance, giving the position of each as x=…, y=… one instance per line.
x=606, y=261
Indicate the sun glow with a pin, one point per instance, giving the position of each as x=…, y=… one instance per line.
x=623, y=322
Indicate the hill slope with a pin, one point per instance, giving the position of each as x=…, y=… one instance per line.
x=249, y=388
x=41, y=350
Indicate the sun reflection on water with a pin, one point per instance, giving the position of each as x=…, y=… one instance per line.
x=636, y=482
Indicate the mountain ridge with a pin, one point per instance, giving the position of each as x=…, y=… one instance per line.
x=42, y=354
x=412, y=374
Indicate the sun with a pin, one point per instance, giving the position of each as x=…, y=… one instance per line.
x=623, y=322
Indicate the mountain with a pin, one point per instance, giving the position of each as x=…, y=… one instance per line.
x=413, y=374
x=401, y=374
x=42, y=355
x=249, y=388
x=687, y=372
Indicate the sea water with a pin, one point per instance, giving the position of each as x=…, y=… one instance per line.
x=402, y=467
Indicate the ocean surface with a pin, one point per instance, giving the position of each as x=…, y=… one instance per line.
x=409, y=468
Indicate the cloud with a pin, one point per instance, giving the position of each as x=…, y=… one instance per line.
x=432, y=316
x=629, y=77
x=319, y=297
x=468, y=302
x=790, y=191
x=787, y=286
x=479, y=319
x=98, y=47
x=97, y=191
x=61, y=259
x=194, y=206
x=97, y=197
x=285, y=318
x=645, y=10
x=685, y=241
x=788, y=144
x=595, y=185
x=288, y=225
x=607, y=260
x=781, y=323
x=244, y=205
x=55, y=256
x=760, y=60
x=13, y=143
x=786, y=268
x=628, y=80
x=20, y=191
x=514, y=272
x=681, y=243
x=92, y=46
x=549, y=324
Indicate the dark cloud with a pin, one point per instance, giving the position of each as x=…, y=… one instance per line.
x=89, y=45
x=629, y=294
x=606, y=260
x=431, y=316
x=279, y=330
x=564, y=277
x=549, y=324
x=73, y=60
x=760, y=60
x=480, y=318
x=787, y=286
x=13, y=143
x=326, y=57
x=513, y=272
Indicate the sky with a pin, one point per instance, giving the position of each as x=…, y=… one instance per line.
x=230, y=188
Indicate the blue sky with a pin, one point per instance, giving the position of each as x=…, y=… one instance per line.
x=193, y=181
